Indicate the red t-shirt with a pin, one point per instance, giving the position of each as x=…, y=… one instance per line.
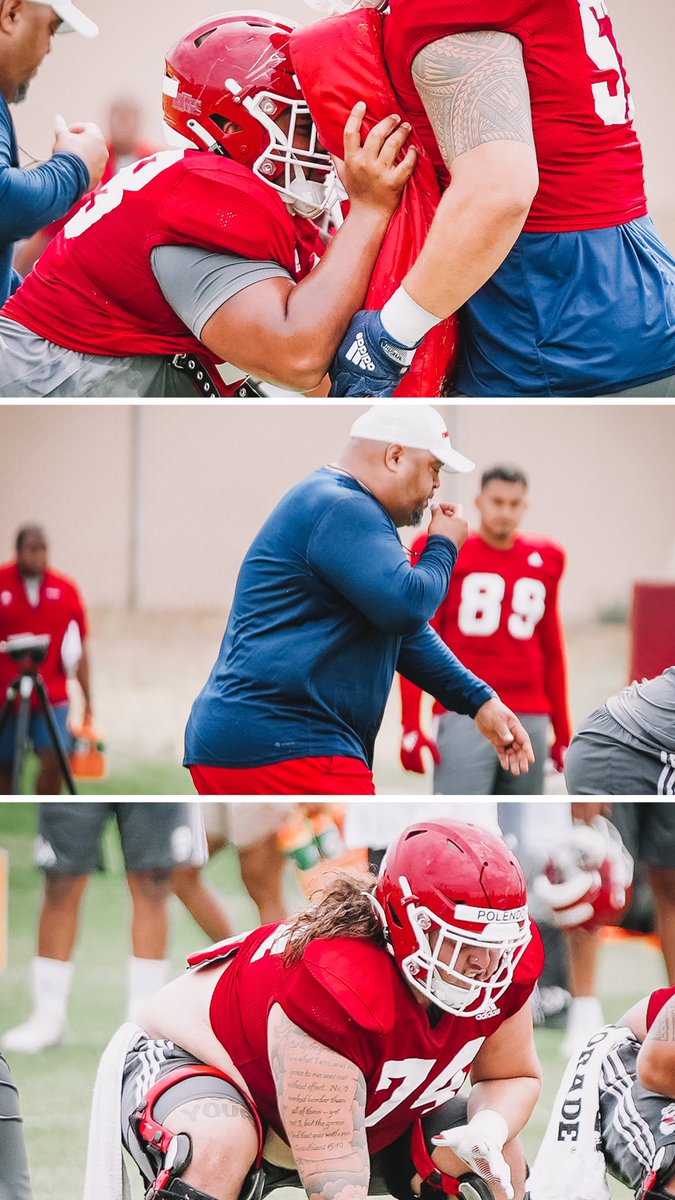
x=590, y=161
x=348, y=994
x=93, y=288
x=501, y=618
x=657, y=1000
x=59, y=603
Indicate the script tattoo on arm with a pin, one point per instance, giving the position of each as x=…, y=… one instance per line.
x=322, y=1099
x=474, y=89
x=663, y=1029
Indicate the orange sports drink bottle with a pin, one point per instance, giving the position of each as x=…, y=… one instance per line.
x=87, y=758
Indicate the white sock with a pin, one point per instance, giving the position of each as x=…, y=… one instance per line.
x=405, y=320
x=585, y=1010
x=145, y=977
x=50, y=981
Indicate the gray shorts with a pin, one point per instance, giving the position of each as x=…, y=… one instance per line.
x=32, y=366
x=469, y=765
x=648, y=831
x=150, y=1060
x=604, y=759
x=14, y=1175
x=661, y=388
x=153, y=836
x=633, y=1121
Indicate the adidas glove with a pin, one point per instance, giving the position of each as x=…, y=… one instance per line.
x=369, y=362
x=480, y=1145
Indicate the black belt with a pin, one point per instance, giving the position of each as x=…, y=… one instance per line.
x=196, y=371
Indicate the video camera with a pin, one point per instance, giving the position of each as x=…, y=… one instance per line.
x=27, y=647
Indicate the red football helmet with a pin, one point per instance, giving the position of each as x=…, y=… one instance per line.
x=587, y=879
x=445, y=886
x=235, y=70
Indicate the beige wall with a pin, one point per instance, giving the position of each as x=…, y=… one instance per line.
x=602, y=484
x=80, y=78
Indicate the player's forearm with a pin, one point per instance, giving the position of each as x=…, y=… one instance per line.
x=514, y=1099
x=320, y=308
x=476, y=224
x=321, y=1098
x=83, y=678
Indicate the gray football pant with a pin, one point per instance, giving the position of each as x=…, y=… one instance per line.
x=469, y=765
x=604, y=759
x=14, y=1176
x=663, y=388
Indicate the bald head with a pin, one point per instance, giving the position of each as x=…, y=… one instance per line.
x=31, y=550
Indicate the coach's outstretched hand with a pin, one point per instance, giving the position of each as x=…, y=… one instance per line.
x=502, y=728
x=369, y=362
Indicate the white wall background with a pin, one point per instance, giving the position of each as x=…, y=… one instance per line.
x=159, y=504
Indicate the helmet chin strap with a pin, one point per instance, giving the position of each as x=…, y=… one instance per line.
x=451, y=994
x=308, y=199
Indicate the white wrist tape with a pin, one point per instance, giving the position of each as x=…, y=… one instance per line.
x=491, y=1126
x=405, y=320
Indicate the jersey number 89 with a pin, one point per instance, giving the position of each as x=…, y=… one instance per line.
x=480, y=609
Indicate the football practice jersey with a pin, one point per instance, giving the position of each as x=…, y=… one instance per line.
x=94, y=290
x=59, y=603
x=590, y=161
x=348, y=994
x=501, y=618
x=657, y=1000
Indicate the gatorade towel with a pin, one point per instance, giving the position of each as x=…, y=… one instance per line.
x=339, y=61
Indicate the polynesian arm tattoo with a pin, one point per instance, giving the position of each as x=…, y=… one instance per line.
x=474, y=89
x=322, y=1099
x=663, y=1028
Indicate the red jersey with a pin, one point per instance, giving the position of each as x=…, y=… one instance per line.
x=657, y=1000
x=348, y=994
x=93, y=288
x=111, y=168
x=59, y=603
x=340, y=60
x=501, y=618
x=590, y=161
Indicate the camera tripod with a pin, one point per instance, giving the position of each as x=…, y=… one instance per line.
x=28, y=681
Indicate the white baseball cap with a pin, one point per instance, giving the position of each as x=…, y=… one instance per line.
x=417, y=426
x=73, y=20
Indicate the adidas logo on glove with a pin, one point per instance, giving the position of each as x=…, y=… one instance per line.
x=358, y=354
x=369, y=362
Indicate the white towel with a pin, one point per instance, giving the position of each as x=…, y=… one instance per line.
x=106, y=1175
x=570, y=1162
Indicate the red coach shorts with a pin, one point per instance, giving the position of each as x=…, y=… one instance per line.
x=331, y=775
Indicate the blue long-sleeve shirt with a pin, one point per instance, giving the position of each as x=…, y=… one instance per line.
x=31, y=199
x=326, y=609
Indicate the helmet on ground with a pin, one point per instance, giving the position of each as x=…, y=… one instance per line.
x=586, y=881
x=445, y=886
x=228, y=82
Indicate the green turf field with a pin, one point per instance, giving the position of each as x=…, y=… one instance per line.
x=55, y=1086
x=126, y=777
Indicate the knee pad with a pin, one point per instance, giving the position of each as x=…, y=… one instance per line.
x=171, y=1153
x=435, y=1183
x=411, y=1156
x=178, y=1190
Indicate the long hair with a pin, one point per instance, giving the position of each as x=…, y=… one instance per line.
x=342, y=909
